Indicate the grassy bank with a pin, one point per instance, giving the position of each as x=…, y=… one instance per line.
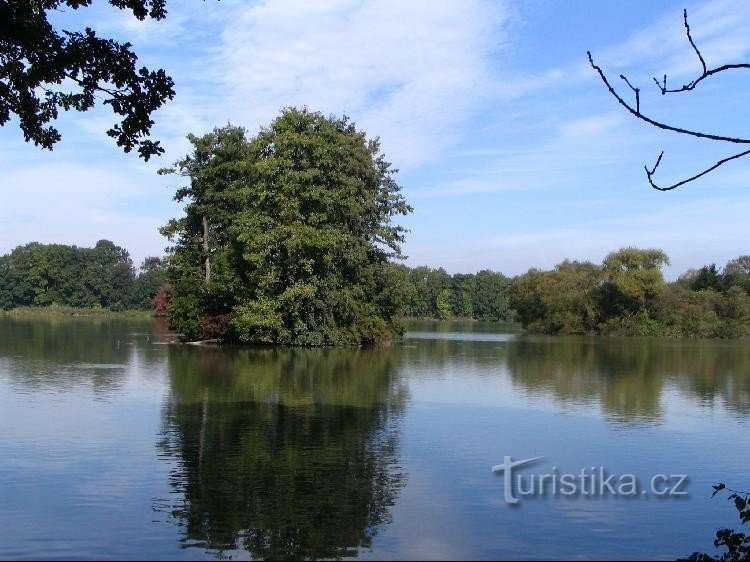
x=47, y=311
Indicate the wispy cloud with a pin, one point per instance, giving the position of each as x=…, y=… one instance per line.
x=411, y=73
x=507, y=166
x=672, y=227
x=720, y=28
x=571, y=152
x=73, y=203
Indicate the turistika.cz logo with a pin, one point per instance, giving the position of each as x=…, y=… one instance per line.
x=589, y=482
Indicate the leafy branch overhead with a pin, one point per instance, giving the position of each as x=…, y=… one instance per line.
x=635, y=109
x=44, y=70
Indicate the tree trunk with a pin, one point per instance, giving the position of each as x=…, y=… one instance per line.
x=205, y=249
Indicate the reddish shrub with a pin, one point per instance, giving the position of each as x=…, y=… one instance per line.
x=160, y=302
x=215, y=326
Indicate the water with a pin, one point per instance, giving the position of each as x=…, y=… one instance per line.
x=115, y=444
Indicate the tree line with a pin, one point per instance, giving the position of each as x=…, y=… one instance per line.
x=427, y=292
x=627, y=295
x=100, y=277
x=624, y=295
x=103, y=276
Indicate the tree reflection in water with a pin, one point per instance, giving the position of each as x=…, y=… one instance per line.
x=283, y=453
x=628, y=376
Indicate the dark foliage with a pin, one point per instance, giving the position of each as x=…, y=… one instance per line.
x=433, y=293
x=736, y=543
x=289, y=232
x=44, y=70
x=627, y=295
x=99, y=277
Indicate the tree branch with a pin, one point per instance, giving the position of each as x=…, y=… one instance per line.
x=636, y=112
x=637, y=93
x=650, y=173
x=706, y=73
x=690, y=38
x=114, y=93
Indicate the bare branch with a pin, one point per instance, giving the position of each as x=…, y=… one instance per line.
x=691, y=85
x=662, y=85
x=705, y=74
x=690, y=38
x=637, y=93
x=636, y=112
x=652, y=171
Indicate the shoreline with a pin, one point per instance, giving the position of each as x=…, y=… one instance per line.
x=71, y=311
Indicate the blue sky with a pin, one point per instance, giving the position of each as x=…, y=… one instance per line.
x=510, y=150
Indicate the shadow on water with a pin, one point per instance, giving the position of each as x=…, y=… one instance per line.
x=282, y=453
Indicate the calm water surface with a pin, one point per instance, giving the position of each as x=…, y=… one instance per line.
x=114, y=444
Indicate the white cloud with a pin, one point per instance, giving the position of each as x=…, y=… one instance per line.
x=571, y=149
x=591, y=127
x=72, y=203
x=685, y=230
x=409, y=72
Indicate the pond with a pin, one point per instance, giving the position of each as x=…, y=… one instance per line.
x=116, y=444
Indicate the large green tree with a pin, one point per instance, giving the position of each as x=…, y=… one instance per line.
x=44, y=70
x=737, y=273
x=109, y=275
x=287, y=236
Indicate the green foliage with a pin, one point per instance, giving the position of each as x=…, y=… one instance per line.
x=707, y=313
x=289, y=232
x=489, y=302
x=463, y=291
x=737, y=273
x=632, y=280
x=562, y=301
x=443, y=304
x=108, y=274
x=43, y=70
x=737, y=543
x=185, y=307
x=151, y=278
x=58, y=275
x=424, y=286
x=433, y=293
x=627, y=295
x=707, y=277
